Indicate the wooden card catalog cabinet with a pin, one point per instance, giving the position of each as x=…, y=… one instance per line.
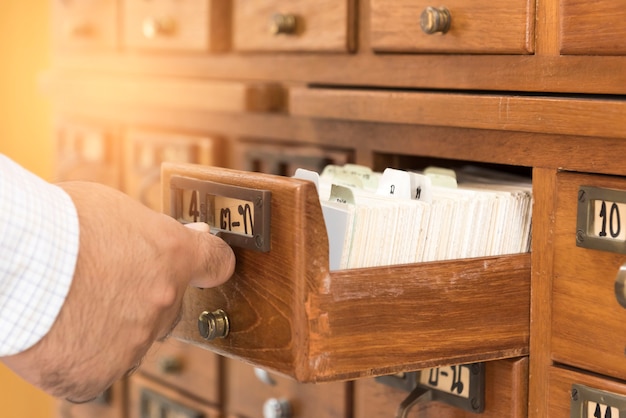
x=289, y=314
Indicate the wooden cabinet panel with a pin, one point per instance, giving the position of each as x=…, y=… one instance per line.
x=476, y=27
x=593, y=28
x=560, y=392
x=85, y=25
x=187, y=368
x=145, y=151
x=88, y=151
x=290, y=314
x=287, y=25
x=281, y=159
x=588, y=323
x=166, y=93
x=149, y=399
x=190, y=25
x=568, y=116
x=247, y=394
x=506, y=390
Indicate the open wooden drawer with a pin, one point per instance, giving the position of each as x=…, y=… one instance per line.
x=288, y=313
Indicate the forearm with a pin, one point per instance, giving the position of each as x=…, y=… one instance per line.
x=39, y=239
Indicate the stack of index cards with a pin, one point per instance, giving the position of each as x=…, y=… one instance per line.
x=400, y=217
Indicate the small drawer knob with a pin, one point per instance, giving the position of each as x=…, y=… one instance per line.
x=435, y=20
x=620, y=286
x=214, y=324
x=283, y=24
x=276, y=408
x=153, y=27
x=170, y=365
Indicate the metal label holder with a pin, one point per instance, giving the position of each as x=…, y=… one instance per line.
x=259, y=240
x=587, y=195
x=421, y=393
x=581, y=396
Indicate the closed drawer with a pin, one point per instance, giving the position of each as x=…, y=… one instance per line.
x=592, y=28
x=191, y=25
x=588, y=323
x=85, y=24
x=506, y=395
x=249, y=391
x=565, y=398
x=289, y=313
x=485, y=27
x=185, y=367
x=148, y=398
x=110, y=404
x=283, y=25
x=146, y=150
x=87, y=151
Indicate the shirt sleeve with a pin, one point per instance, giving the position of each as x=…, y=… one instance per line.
x=39, y=239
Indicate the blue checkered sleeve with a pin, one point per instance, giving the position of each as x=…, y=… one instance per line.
x=39, y=238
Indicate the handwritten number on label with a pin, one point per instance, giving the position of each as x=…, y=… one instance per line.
x=246, y=213
x=614, y=220
x=194, y=210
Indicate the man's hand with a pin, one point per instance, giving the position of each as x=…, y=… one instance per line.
x=133, y=267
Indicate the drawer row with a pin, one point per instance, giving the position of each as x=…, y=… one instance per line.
x=215, y=26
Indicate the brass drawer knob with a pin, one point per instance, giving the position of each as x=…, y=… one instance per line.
x=435, y=20
x=213, y=325
x=153, y=27
x=170, y=365
x=276, y=408
x=283, y=24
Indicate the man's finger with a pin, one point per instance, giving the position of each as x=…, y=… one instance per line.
x=215, y=258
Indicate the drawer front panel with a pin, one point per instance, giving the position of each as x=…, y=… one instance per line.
x=149, y=399
x=593, y=28
x=189, y=25
x=283, y=25
x=506, y=395
x=560, y=393
x=190, y=369
x=85, y=24
x=89, y=152
x=251, y=390
x=486, y=27
x=588, y=325
x=146, y=150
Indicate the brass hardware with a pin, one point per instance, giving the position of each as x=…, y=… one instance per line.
x=153, y=27
x=213, y=325
x=283, y=23
x=620, y=286
x=170, y=365
x=435, y=20
x=276, y=408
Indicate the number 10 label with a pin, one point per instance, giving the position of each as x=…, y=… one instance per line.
x=608, y=220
